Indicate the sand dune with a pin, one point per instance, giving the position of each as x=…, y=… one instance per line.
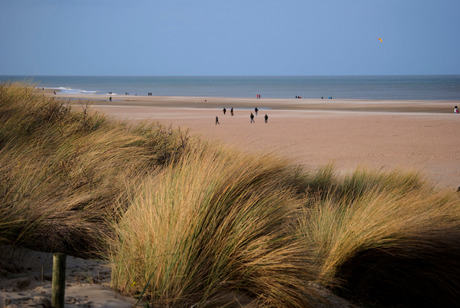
x=377, y=134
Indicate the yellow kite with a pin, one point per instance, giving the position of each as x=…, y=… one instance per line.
x=380, y=39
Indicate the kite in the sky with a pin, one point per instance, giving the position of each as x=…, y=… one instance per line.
x=380, y=39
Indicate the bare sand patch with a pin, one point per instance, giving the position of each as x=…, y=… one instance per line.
x=26, y=275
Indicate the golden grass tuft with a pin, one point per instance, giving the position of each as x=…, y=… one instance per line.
x=62, y=171
x=213, y=223
x=393, y=246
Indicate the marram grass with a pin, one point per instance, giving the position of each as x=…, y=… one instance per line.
x=212, y=224
x=63, y=169
x=187, y=223
x=390, y=247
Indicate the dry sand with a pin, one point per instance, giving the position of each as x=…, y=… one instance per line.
x=381, y=135
x=25, y=281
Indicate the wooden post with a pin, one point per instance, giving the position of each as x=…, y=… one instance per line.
x=58, y=282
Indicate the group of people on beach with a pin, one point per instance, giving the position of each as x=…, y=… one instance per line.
x=256, y=110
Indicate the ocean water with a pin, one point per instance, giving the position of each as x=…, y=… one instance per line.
x=436, y=87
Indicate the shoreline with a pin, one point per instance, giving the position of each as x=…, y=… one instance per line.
x=428, y=106
x=391, y=87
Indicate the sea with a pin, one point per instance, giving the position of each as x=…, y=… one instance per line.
x=426, y=87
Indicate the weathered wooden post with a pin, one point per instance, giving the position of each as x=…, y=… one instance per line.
x=58, y=282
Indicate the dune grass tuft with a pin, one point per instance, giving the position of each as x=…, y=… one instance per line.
x=397, y=243
x=214, y=223
x=62, y=171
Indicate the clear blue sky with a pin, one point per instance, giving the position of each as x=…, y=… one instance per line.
x=221, y=37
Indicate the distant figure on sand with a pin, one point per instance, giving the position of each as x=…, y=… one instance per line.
x=456, y=109
x=266, y=118
x=217, y=120
x=252, y=118
x=231, y=111
x=224, y=110
x=110, y=98
x=256, y=110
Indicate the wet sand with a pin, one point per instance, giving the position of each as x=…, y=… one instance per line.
x=382, y=135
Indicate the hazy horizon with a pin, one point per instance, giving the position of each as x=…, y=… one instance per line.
x=337, y=75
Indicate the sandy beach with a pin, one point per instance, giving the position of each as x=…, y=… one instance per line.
x=381, y=135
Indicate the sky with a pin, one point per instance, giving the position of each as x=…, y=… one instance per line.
x=229, y=38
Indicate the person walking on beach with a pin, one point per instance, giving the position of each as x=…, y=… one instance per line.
x=266, y=118
x=217, y=120
x=252, y=118
x=456, y=109
x=224, y=110
x=256, y=110
x=231, y=111
x=110, y=98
